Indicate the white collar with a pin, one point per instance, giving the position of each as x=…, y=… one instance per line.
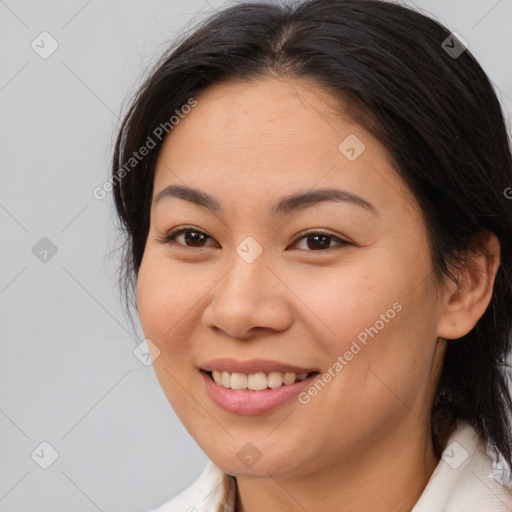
x=463, y=481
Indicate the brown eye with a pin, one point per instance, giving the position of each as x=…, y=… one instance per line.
x=194, y=238
x=318, y=240
x=187, y=237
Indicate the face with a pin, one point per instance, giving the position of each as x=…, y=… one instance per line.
x=334, y=288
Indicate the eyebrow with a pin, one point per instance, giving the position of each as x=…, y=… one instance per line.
x=284, y=205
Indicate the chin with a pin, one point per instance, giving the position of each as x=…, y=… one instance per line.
x=240, y=464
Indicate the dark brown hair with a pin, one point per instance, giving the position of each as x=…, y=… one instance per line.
x=405, y=79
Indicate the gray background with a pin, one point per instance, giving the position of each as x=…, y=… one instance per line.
x=68, y=375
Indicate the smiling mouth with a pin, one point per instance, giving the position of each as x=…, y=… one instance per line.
x=258, y=381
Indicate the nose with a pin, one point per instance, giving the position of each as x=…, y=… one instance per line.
x=248, y=299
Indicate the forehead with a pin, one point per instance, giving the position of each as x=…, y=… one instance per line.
x=262, y=137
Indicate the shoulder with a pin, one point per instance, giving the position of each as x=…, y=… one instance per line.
x=213, y=490
x=465, y=480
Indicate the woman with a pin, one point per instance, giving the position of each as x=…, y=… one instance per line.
x=321, y=243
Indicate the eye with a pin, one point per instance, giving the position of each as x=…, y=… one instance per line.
x=194, y=238
x=318, y=240
x=188, y=237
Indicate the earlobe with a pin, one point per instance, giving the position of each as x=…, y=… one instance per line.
x=465, y=302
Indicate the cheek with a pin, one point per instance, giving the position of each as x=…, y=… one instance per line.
x=164, y=297
x=376, y=312
x=342, y=304
x=166, y=300
x=381, y=356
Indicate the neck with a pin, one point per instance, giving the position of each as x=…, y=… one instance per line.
x=390, y=475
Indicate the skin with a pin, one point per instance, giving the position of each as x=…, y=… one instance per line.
x=364, y=440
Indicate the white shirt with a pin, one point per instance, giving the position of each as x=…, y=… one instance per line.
x=465, y=480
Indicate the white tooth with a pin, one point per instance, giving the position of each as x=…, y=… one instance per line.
x=217, y=377
x=289, y=378
x=238, y=381
x=275, y=379
x=226, y=379
x=257, y=381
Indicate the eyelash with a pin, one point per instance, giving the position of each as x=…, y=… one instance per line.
x=170, y=238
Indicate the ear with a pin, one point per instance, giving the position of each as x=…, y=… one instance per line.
x=465, y=302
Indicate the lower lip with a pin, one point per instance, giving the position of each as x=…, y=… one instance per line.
x=253, y=402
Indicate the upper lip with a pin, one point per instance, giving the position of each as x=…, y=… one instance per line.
x=252, y=366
